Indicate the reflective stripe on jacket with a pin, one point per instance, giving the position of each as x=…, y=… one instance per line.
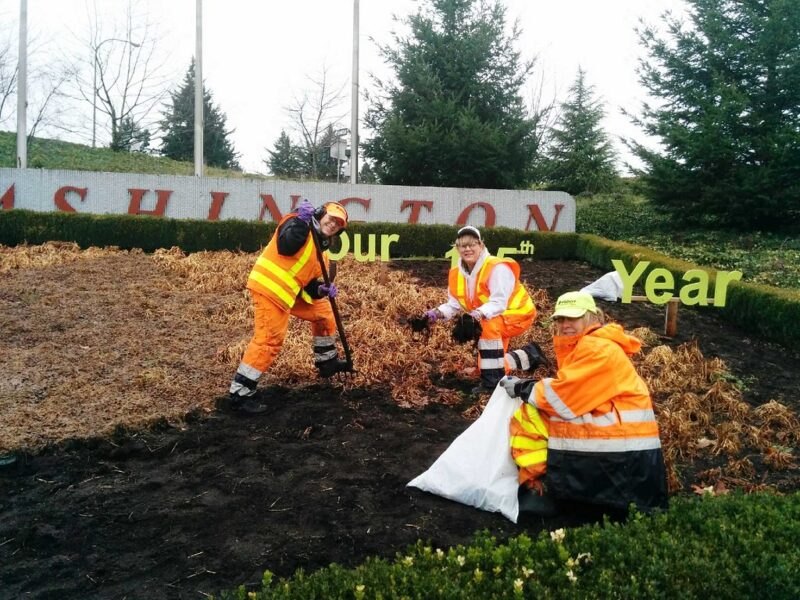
x=519, y=303
x=604, y=443
x=283, y=278
x=528, y=442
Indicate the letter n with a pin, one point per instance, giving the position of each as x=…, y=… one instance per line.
x=268, y=203
x=536, y=215
x=217, y=200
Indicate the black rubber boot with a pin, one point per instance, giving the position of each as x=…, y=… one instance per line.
x=247, y=404
x=331, y=367
x=531, y=503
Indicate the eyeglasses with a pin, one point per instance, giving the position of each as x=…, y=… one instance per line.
x=467, y=245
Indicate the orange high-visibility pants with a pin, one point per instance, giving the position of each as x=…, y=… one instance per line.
x=272, y=321
x=493, y=343
x=528, y=441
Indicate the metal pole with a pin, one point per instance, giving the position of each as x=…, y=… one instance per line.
x=94, y=100
x=354, y=101
x=22, y=88
x=198, y=92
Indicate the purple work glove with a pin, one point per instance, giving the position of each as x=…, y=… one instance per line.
x=305, y=212
x=328, y=290
x=477, y=315
x=432, y=316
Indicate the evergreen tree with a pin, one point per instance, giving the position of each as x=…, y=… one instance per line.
x=454, y=116
x=580, y=157
x=129, y=137
x=367, y=174
x=178, y=128
x=728, y=113
x=317, y=162
x=285, y=159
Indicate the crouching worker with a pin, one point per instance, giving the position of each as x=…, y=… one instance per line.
x=588, y=434
x=286, y=281
x=489, y=290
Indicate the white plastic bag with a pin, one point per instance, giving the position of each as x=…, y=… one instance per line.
x=477, y=468
x=608, y=287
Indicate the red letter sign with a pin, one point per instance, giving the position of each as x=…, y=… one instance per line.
x=536, y=215
x=268, y=202
x=488, y=208
x=135, y=207
x=217, y=200
x=416, y=206
x=60, y=197
x=7, y=201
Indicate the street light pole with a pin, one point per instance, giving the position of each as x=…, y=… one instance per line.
x=22, y=88
x=354, y=101
x=94, y=82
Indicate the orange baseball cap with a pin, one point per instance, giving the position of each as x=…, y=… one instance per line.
x=337, y=211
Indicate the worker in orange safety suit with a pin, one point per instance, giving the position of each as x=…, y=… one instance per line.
x=489, y=290
x=285, y=281
x=589, y=434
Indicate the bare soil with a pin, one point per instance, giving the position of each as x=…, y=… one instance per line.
x=184, y=502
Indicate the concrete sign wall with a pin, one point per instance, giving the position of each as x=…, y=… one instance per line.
x=215, y=198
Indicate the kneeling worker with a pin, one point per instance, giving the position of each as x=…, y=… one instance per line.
x=285, y=281
x=589, y=434
x=489, y=290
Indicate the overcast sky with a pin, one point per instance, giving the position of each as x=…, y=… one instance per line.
x=257, y=54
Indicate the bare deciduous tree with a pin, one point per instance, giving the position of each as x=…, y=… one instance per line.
x=314, y=116
x=121, y=78
x=8, y=75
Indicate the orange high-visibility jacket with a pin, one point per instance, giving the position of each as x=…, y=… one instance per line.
x=519, y=303
x=604, y=444
x=282, y=278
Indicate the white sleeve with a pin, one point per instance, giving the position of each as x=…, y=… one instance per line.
x=501, y=286
x=450, y=308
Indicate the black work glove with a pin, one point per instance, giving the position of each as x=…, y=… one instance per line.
x=516, y=387
x=536, y=355
x=466, y=329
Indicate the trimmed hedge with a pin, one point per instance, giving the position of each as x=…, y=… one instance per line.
x=725, y=547
x=764, y=310
x=150, y=233
x=131, y=231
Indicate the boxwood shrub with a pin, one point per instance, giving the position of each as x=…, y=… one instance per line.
x=711, y=547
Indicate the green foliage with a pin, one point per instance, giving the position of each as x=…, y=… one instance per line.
x=129, y=137
x=367, y=174
x=305, y=161
x=316, y=160
x=131, y=231
x=178, y=126
x=580, y=157
x=727, y=115
x=54, y=154
x=744, y=546
x=764, y=258
x=285, y=160
x=435, y=241
x=454, y=116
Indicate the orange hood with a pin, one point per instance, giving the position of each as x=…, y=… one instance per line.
x=565, y=344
